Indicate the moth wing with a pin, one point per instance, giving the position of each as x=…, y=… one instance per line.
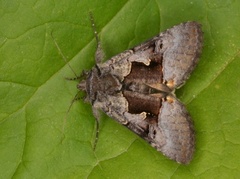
x=180, y=48
x=173, y=135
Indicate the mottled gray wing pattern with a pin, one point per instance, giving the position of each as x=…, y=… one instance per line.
x=136, y=89
x=180, y=47
x=173, y=134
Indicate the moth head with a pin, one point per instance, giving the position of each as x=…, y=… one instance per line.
x=82, y=85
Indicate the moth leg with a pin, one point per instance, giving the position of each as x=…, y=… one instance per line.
x=76, y=98
x=73, y=79
x=99, y=55
x=78, y=78
x=97, y=118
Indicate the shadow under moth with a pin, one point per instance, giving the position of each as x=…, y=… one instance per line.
x=136, y=88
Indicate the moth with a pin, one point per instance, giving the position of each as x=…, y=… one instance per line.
x=136, y=88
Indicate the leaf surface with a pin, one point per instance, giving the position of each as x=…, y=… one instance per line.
x=35, y=139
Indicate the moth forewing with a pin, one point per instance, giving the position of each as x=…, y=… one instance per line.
x=136, y=89
x=181, y=47
x=176, y=128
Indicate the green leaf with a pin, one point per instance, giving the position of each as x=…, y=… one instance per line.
x=35, y=139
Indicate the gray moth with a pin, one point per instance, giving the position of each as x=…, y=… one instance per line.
x=136, y=88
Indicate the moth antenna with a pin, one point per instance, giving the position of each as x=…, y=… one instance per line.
x=64, y=58
x=94, y=27
x=97, y=118
x=99, y=55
